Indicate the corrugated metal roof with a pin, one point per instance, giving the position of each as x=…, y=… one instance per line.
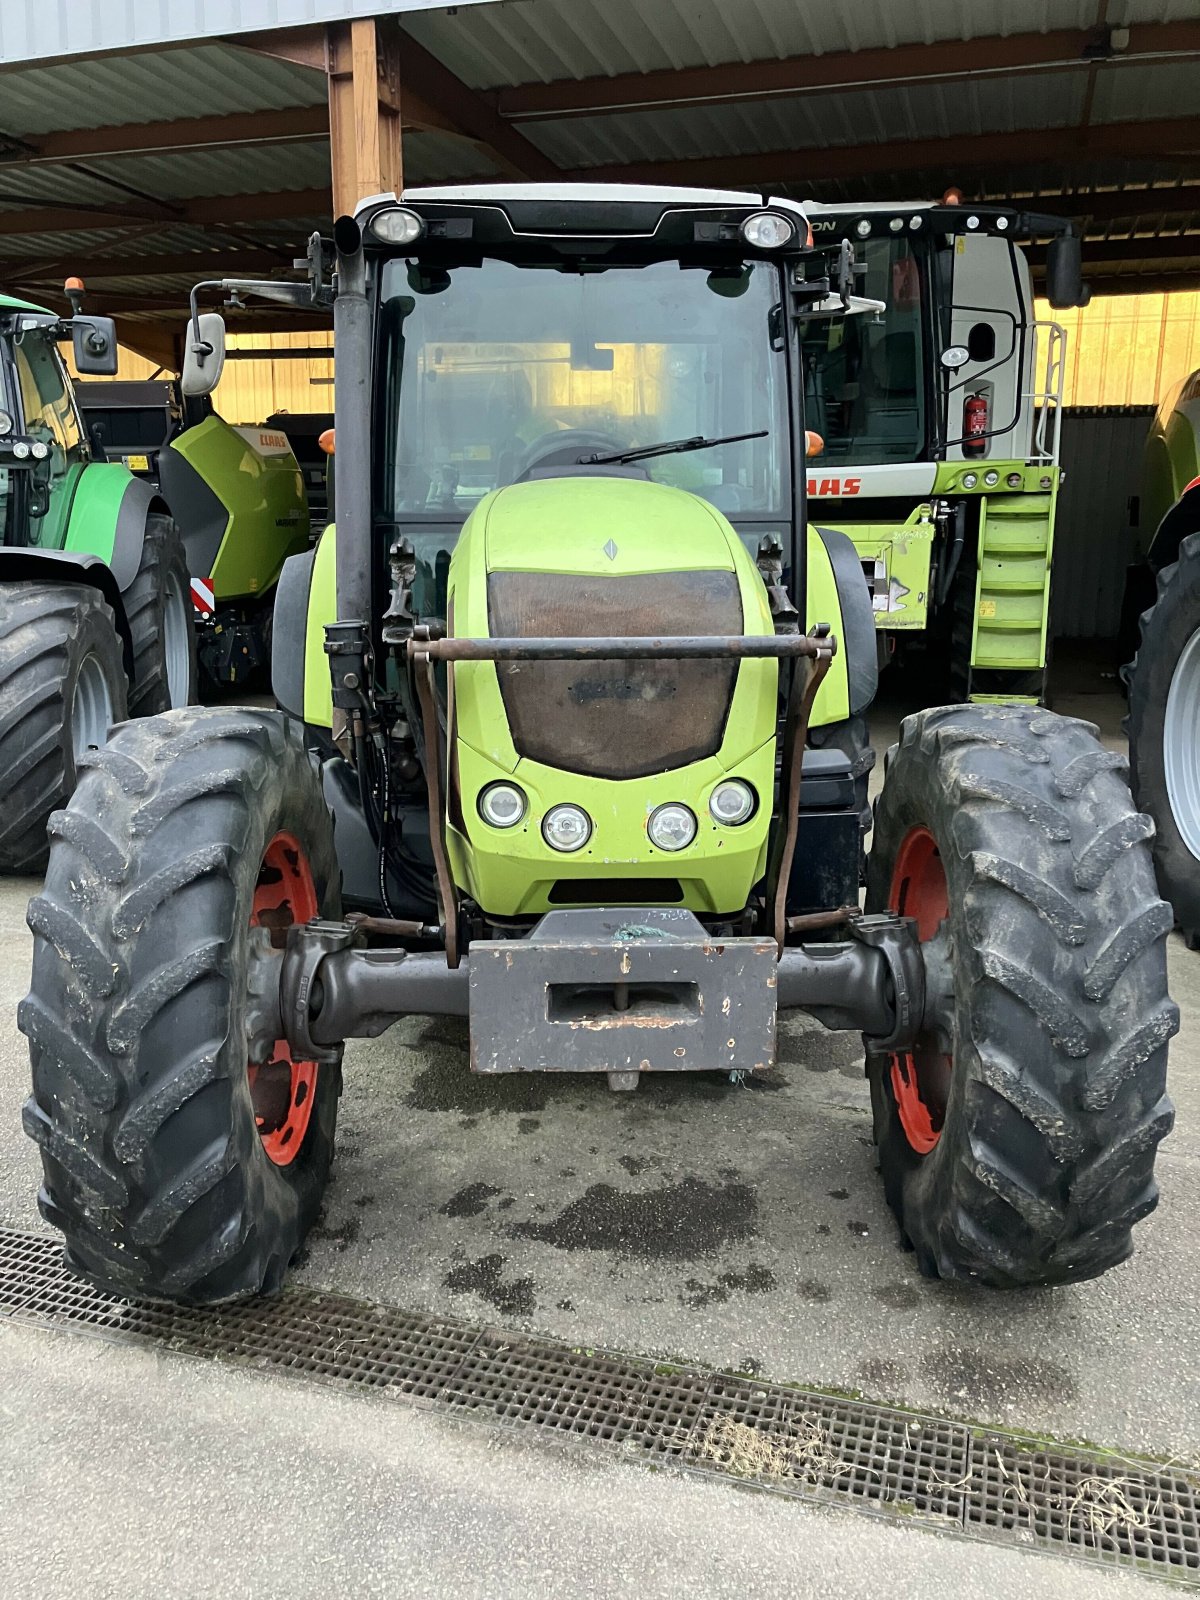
x=540, y=40
x=32, y=30
x=898, y=113
x=207, y=80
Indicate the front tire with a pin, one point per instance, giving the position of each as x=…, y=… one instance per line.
x=158, y=604
x=1164, y=732
x=175, y=1166
x=62, y=684
x=1017, y=1138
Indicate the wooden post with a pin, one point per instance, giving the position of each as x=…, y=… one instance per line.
x=362, y=61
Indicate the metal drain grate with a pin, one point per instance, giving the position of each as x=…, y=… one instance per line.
x=937, y=1472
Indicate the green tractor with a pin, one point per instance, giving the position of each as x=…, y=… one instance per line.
x=1164, y=678
x=940, y=421
x=566, y=746
x=95, y=615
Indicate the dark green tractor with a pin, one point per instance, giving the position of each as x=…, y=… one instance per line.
x=95, y=612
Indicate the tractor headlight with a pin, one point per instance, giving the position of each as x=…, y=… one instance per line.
x=502, y=805
x=671, y=827
x=767, y=230
x=39, y=450
x=731, y=802
x=5, y=424
x=970, y=479
x=21, y=450
x=397, y=226
x=991, y=479
x=566, y=828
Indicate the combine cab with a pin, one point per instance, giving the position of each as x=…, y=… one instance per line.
x=940, y=420
x=571, y=714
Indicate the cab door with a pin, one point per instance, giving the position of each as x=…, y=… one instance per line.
x=50, y=415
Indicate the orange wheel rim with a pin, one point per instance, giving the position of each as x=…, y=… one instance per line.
x=921, y=1076
x=283, y=1090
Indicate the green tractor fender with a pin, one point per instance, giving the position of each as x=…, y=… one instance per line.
x=105, y=532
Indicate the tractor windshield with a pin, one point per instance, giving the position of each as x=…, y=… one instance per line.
x=493, y=372
x=864, y=376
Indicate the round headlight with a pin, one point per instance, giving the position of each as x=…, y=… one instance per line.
x=731, y=802
x=970, y=479
x=5, y=423
x=862, y=227
x=397, y=226
x=502, y=804
x=1014, y=480
x=566, y=827
x=38, y=450
x=767, y=230
x=671, y=827
x=20, y=450
x=991, y=478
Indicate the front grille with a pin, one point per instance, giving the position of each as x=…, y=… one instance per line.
x=615, y=719
x=616, y=892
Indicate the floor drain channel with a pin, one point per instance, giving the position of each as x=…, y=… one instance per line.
x=942, y=1473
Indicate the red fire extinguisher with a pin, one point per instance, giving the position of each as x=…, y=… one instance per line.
x=975, y=424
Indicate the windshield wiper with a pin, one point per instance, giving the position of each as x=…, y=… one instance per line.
x=672, y=447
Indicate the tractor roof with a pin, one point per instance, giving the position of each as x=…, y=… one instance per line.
x=9, y=303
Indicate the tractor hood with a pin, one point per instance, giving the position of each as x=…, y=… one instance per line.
x=603, y=527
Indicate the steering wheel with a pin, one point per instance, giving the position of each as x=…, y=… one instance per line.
x=563, y=448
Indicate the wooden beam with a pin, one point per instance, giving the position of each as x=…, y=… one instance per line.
x=471, y=114
x=292, y=125
x=846, y=71
x=209, y=210
x=197, y=264
x=1163, y=140
x=1113, y=205
x=1096, y=252
x=364, y=113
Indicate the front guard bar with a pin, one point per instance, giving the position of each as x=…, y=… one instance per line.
x=811, y=654
x=332, y=989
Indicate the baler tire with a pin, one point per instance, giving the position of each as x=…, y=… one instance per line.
x=156, y=1170
x=1040, y=1156
x=162, y=582
x=47, y=632
x=1168, y=628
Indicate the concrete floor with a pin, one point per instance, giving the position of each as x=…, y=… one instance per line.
x=691, y=1219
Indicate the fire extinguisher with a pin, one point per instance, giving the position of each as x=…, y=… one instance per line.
x=975, y=424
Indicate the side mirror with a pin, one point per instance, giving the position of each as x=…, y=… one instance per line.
x=203, y=357
x=94, y=346
x=1064, y=271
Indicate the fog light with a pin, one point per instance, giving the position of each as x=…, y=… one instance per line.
x=767, y=230
x=21, y=450
x=970, y=479
x=502, y=804
x=731, y=802
x=991, y=478
x=397, y=226
x=566, y=828
x=38, y=450
x=671, y=827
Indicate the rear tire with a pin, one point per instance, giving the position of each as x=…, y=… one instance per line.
x=156, y=1151
x=59, y=655
x=1164, y=733
x=158, y=604
x=1017, y=1141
